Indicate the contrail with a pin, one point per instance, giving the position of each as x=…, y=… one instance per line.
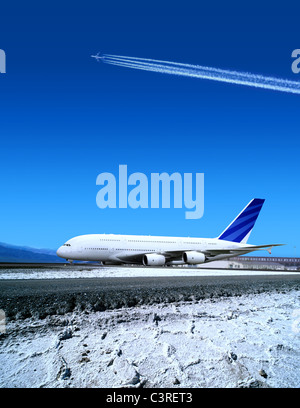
x=198, y=71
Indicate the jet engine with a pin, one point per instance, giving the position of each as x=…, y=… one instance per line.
x=193, y=257
x=154, y=259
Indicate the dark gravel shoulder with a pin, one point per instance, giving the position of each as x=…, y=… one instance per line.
x=39, y=298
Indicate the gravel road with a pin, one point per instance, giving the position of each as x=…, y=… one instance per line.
x=40, y=298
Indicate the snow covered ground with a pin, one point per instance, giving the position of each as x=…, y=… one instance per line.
x=110, y=272
x=245, y=341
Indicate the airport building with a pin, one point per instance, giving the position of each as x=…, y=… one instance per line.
x=260, y=262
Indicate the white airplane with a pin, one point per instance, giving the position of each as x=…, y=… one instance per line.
x=97, y=56
x=159, y=251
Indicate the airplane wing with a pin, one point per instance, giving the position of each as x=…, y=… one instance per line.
x=210, y=253
x=245, y=249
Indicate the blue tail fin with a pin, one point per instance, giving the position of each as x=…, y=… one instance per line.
x=241, y=227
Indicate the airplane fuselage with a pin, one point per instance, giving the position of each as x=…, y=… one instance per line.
x=129, y=248
x=159, y=251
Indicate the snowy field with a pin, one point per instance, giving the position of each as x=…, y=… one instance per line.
x=244, y=341
x=68, y=272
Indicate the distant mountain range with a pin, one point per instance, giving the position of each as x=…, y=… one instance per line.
x=23, y=254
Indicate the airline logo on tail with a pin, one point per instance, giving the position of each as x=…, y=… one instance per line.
x=241, y=227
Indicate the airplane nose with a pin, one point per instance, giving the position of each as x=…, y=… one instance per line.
x=59, y=252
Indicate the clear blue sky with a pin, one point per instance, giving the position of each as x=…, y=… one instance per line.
x=65, y=118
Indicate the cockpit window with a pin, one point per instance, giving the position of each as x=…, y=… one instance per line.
x=66, y=244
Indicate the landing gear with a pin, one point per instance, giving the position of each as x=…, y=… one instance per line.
x=70, y=260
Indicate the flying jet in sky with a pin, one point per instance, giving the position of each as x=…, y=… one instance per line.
x=97, y=56
x=159, y=250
